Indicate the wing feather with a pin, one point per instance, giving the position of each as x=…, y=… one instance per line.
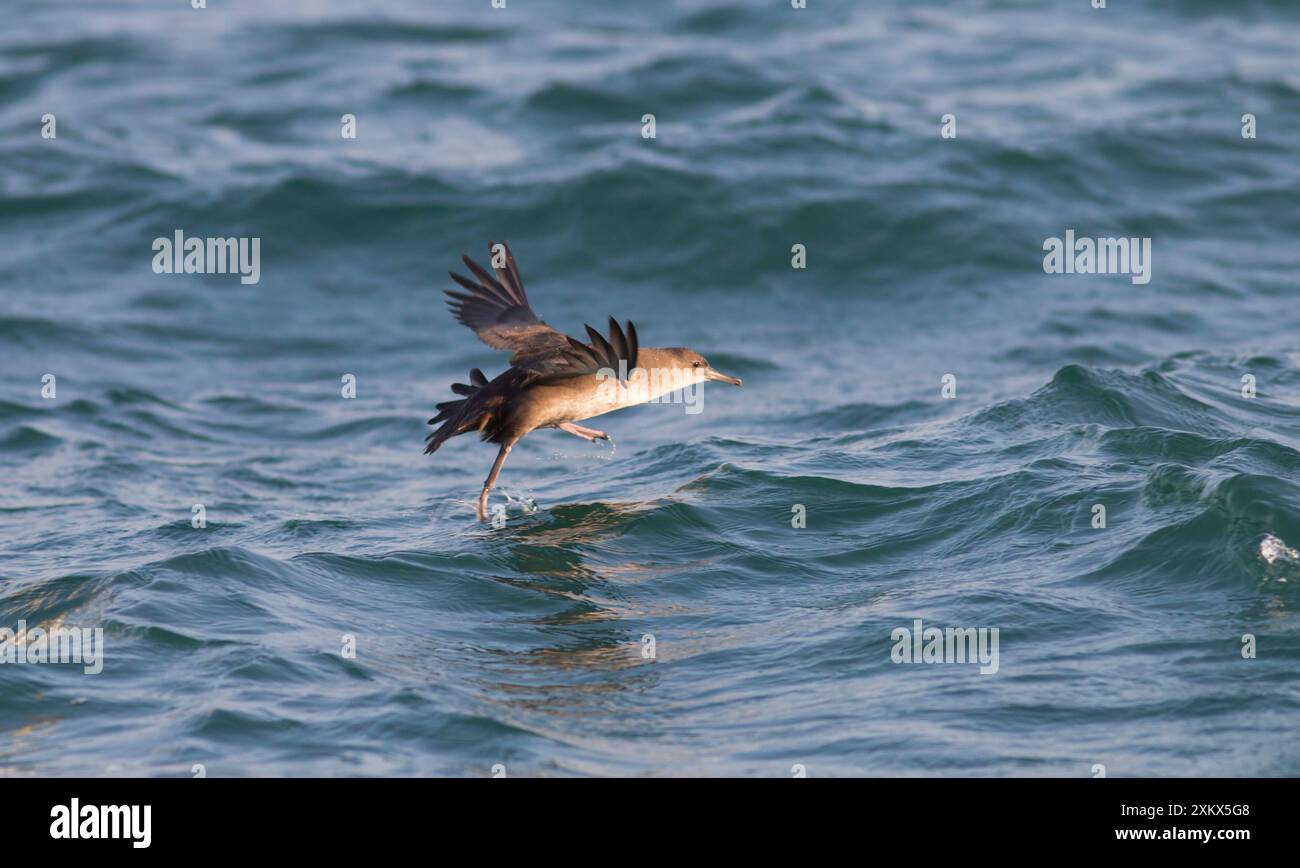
x=496, y=308
x=617, y=353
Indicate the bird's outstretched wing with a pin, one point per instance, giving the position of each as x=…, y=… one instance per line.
x=618, y=353
x=496, y=308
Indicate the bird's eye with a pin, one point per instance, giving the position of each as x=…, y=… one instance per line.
x=695, y=364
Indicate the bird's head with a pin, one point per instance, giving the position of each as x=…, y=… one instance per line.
x=694, y=367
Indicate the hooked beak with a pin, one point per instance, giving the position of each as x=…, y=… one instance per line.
x=711, y=374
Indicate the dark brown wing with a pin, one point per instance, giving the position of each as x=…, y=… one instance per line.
x=618, y=353
x=496, y=308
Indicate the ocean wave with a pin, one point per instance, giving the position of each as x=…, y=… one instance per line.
x=1081, y=395
x=769, y=545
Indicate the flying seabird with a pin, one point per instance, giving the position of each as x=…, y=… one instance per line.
x=554, y=381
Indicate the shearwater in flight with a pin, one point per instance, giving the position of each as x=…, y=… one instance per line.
x=554, y=381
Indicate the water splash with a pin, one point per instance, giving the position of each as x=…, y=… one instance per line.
x=1282, y=560
x=1273, y=549
x=602, y=450
x=526, y=504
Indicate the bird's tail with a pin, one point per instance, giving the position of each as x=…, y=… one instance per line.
x=459, y=416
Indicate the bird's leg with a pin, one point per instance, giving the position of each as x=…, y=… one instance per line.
x=491, y=479
x=590, y=434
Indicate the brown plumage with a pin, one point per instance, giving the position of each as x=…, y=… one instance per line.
x=554, y=380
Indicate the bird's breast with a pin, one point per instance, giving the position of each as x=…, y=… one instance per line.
x=591, y=395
